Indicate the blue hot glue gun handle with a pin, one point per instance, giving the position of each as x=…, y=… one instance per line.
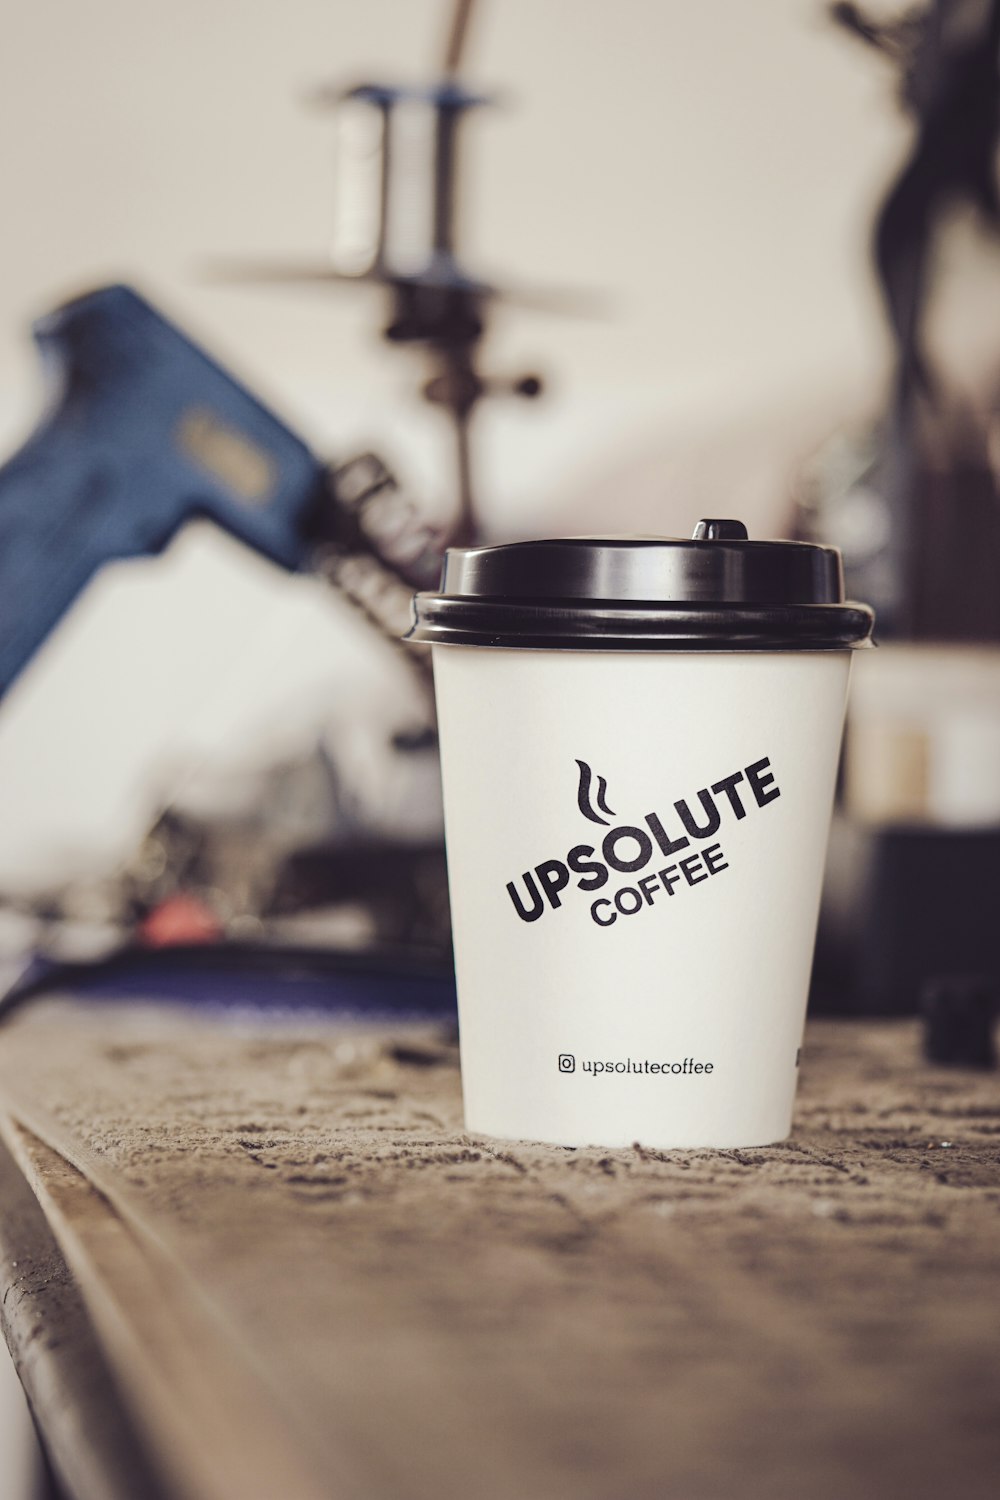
x=143, y=433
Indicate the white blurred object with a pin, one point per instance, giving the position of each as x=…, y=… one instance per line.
x=203, y=664
x=965, y=772
x=923, y=738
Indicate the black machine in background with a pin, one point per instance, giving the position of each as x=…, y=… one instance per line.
x=915, y=507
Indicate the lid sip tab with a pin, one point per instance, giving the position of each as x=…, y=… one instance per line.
x=721, y=531
x=718, y=591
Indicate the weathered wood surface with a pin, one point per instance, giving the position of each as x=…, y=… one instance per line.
x=59, y=1359
x=310, y=1281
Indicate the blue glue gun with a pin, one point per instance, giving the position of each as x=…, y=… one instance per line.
x=144, y=433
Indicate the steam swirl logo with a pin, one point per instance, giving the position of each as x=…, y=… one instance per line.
x=584, y=800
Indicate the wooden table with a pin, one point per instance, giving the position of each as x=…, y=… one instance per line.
x=251, y=1259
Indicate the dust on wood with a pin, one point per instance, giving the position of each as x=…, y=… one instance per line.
x=465, y=1316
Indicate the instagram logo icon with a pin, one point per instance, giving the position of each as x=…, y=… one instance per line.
x=567, y=1062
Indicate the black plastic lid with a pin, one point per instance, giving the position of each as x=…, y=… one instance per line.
x=717, y=592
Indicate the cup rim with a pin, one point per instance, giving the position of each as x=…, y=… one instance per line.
x=444, y=620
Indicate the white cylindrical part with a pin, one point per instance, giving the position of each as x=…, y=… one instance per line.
x=635, y=850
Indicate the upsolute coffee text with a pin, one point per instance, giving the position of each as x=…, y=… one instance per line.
x=630, y=848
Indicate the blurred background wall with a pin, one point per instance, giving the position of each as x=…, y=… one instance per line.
x=709, y=169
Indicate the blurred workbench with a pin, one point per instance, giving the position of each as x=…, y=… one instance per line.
x=260, y=1260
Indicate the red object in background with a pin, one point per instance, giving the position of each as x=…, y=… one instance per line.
x=180, y=919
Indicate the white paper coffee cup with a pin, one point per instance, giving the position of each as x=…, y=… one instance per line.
x=636, y=832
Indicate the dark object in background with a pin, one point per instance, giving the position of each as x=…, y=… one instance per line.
x=402, y=887
x=959, y=1013
x=916, y=512
x=921, y=536
x=948, y=61
x=918, y=926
